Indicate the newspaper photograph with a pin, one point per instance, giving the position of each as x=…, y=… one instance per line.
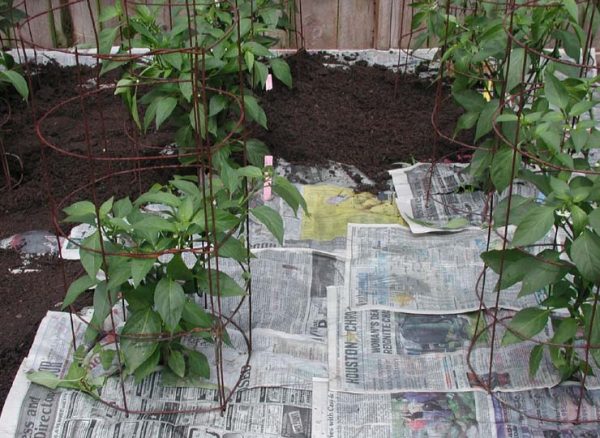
x=382, y=351
x=331, y=208
x=388, y=267
x=402, y=414
x=440, y=197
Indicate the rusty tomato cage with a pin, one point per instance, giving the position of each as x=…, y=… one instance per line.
x=162, y=250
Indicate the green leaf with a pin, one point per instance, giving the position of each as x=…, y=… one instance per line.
x=140, y=268
x=44, y=378
x=281, y=70
x=579, y=219
x=169, y=299
x=466, y=121
x=195, y=315
x=17, y=81
x=256, y=151
x=535, y=358
x=509, y=263
x=109, y=12
x=155, y=224
x=176, y=268
x=106, y=38
x=527, y=323
x=102, y=305
x=594, y=219
x=254, y=111
x=517, y=58
x=567, y=329
x=77, y=288
x=224, y=221
x=137, y=351
x=165, y=198
x=544, y=269
x=198, y=364
x=571, y=7
x=234, y=249
x=271, y=219
x=519, y=206
x=83, y=211
x=122, y=208
x=582, y=107
x=252, y=172
x=185, y=86
x=585, y=253
x=90, y=255
x=164, y=108
x=176, y=363
x=249, y=57
x=469, y=99
x=257, y=49
x=556, y=92
x=289, y=193
x=502, y=167
x=106, y=358
x=484, y=124
x=228, y=286
x=149, y=366
x=119, y=271
x=534, y=226
x=217, y=104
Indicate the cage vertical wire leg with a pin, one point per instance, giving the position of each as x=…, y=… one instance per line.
x=103, y=252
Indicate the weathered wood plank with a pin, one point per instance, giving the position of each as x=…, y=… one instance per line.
x=401, y=23
x=356, y=25
x=320, y=23
x=383, y=22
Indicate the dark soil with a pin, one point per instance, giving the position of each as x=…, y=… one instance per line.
x=355, y=116
x=350, y=116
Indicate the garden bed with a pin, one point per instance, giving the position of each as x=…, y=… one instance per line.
x=349, y=115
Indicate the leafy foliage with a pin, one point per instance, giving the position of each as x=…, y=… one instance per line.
x=544, y=132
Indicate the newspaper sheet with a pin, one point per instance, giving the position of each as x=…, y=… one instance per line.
x=389, y=267
x=289, y=290
x=440, y=197
x=554, y=404
x=331, y=208
x=401, y=414
x=289, y=350
x=378, y=350
x=265, y=403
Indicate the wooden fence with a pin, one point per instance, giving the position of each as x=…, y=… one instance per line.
x=325, y=24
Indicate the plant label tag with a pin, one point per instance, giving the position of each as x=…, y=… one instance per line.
x=269, y=83
x=267, y=193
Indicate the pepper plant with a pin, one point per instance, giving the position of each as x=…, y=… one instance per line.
x=533, y=117
x=159, y=263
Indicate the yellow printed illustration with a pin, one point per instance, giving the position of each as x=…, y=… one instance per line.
x=332, y=208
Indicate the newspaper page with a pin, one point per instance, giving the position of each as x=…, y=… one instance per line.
x=281, y=371
x=555, y=405
x=409, y=414
x=382, y=351
x=289, y=290
x=331, y=208
x=439, y=197
x=389, y=267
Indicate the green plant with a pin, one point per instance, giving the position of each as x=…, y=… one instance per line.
x=10, y=16
x=205, y=216
x=536, y=124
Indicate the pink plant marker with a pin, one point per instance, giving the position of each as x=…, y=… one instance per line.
x=267, y=194
x=269, y=83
